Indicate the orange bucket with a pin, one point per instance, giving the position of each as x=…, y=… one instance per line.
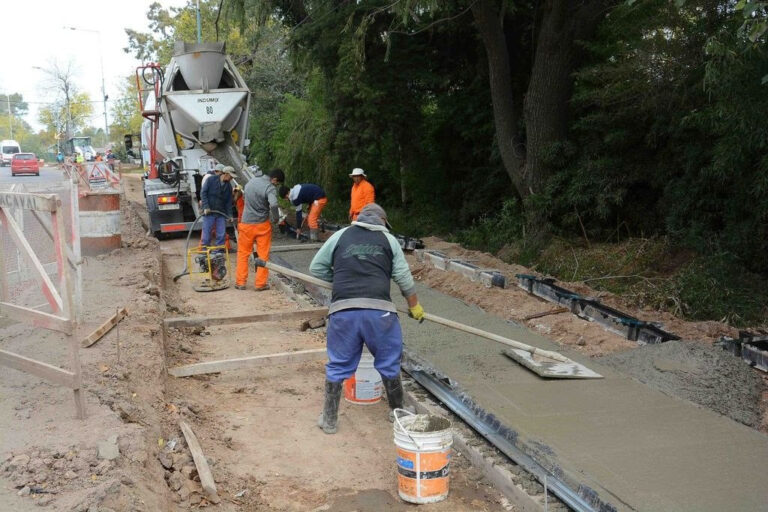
x=423, y=444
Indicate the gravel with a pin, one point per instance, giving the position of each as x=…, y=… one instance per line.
x=703, y=374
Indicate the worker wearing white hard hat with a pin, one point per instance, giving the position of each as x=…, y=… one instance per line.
x=362, y=193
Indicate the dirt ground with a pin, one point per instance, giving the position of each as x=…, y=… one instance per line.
x=257, y=427
x=260, y=424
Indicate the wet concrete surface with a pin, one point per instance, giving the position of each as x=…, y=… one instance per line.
x=636, y=447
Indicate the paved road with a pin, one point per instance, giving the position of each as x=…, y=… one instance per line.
x=48, y=175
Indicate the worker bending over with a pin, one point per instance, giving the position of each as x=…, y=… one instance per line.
x=260, y=199
x=314, y=196
x=362, y=193
x=216, y=199
x=360, y=261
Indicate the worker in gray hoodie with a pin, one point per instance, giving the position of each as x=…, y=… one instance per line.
x=260, y=197
x=360, y=261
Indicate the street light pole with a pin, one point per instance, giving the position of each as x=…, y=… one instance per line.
x=103, y=88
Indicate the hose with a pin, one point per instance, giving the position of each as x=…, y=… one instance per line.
x=189, y=235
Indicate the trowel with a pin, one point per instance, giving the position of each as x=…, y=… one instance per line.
x=545, y=363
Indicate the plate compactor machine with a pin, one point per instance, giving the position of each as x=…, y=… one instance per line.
x=195, y=116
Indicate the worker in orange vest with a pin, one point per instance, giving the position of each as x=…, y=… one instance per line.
x=362, y=193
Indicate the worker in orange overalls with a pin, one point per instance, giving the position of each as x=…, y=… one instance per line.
x=260, y=199
x=362, y=193
x=298, y=196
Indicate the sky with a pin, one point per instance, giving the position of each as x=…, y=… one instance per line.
x=32, y=34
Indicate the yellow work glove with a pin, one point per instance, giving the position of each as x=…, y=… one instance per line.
x=416, y=312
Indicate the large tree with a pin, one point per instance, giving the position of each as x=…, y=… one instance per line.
x=532, y=50
x=67, y=117
x=526, y=136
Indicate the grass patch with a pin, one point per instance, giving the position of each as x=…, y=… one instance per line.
x=648, y=272
x=652, y=273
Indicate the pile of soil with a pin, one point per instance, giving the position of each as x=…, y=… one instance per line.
x=702, y=374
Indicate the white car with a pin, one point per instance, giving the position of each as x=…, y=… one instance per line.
x=8, y=148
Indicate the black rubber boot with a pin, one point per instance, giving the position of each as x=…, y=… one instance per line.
x=328, y=420
x=394, y=390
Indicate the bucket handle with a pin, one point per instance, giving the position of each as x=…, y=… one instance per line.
x=397, y=420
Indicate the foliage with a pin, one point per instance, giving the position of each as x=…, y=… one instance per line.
x=269, y=72
x=493, y=232
x=15, y=102
x=300, y=142
x=15, y=121
x=655, y=273
x=54, y=116
x=663, y=159
x=180, y=24
x=669, y=133
x=126, y=118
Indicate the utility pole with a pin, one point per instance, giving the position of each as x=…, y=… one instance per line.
x=103, y=88
x=10, y=116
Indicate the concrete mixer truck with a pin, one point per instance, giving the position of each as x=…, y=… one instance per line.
x=196, y=115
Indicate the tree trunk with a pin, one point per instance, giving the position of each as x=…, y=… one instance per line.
x=487, y=15
x=546, y=108
x=545, y=111
x=403, y=190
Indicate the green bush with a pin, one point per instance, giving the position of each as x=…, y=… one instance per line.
x=492, y=232
x=717, y=287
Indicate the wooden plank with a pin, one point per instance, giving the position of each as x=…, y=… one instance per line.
x=104, y=328
x=495, y=337
x=65, y=276
x=204, y=321
x=74, y=223
x=36, y=318
x=45, y=371
x=70, y=307
x=49, y=290
x=299, y=356
x=27, y=201
x=297, y=247
x=203, y=470
x=555, y=311
x=298, y=275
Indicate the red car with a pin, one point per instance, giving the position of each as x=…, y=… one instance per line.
x=25, y=163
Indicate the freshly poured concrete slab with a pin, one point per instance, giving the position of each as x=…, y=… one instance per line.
x=637, y=448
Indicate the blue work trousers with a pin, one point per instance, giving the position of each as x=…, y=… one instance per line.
x=211, y=222
x=349, y=329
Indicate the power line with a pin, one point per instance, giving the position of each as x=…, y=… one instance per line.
x=47, y=102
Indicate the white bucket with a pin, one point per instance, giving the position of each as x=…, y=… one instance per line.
x=365, y=386
x=423, y=443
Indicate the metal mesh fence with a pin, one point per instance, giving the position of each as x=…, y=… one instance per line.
x=22, y=281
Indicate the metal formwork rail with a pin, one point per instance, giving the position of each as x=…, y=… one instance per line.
x=633, y=329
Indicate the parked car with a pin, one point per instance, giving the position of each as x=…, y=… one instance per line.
x=25, y=163
x=8, y=148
